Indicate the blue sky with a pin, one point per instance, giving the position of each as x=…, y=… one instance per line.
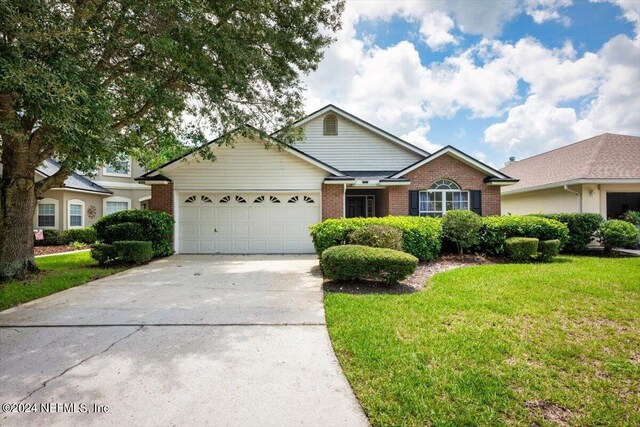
x=492, y=78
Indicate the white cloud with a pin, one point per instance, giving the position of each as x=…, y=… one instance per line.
x=436, y=28
x=482, y=156
x=542, y=11
x=630, y=11
x=418, y=137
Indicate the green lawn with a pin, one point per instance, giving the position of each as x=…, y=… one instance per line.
x=59, y=272
x=541, y=344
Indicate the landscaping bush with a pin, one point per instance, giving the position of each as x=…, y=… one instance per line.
x=582, y=228
x=632, y=216
x=462, y=228
x=103, y=253
x=421, y=236
x=157, y=227
x=137, y=252
x=547, y=249
x=496, y=229
x=521, y=249
x=617, y=234
x=51, y=238
x=377, y=236
x=124, y=231
x=85, y=235
x=354, y=262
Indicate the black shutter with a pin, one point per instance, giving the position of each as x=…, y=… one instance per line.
x=476, y=201
x=414, y=208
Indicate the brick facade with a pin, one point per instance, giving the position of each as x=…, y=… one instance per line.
x=332, y=201
x=162, y=198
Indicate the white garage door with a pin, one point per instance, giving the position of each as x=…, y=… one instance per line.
x=247, y=222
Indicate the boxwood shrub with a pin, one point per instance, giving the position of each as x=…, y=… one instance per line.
x=157, y=228
x=521, y=249
x=377, y=236
x=547, y=249
x=124, y=231
x=617, y=234
x=103, y=253
x=355, y=262
x=85, y=235
x=137, y=252
x=496, y=229
x=421, y=236
x=51, y=238
x=582, y=228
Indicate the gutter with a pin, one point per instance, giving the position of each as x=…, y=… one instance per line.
x=566, y=188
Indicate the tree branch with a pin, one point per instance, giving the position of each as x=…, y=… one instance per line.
x=53, y=181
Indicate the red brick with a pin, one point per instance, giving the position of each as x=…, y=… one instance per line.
x=162, y=198
x=332, y=201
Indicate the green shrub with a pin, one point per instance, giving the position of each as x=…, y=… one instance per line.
x=157, y=227
x=51, y=238
x=496, y=229
x=617, y=234
x=124, y=231
x=103, y=253
x=137, y=252
x=421, y=236
x=632, y=216
x=354, y=262
x=462, y=228
x=85, y=235
x=377, y=236
x=582, y=228
x=548, y=249
x=521, y=249
x=77, y=245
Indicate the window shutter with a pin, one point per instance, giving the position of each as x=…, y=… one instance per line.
x=414, y=204
x=476, y=201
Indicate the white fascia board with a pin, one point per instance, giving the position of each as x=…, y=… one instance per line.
x=459, y=155
x=75, y=190
x=122, y=185
x=581, y=181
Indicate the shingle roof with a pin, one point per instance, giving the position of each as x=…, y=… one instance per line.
x=74, y=180
x=606, y=156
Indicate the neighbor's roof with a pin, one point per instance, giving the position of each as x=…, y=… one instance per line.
x=74, y=181
x=604, y=157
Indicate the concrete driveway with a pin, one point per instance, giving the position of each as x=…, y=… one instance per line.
x=187, y=340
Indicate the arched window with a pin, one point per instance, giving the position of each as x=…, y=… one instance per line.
x=442, y=196
x=331, y=125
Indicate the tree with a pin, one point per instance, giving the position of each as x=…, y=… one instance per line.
x=88, y=81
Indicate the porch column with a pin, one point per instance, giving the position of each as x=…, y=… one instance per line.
x=332, y=201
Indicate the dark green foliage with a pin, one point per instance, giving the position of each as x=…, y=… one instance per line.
x=355, y=262
x=496, y=229
x=421, y=236
x=521, y=249
x=617, y=234
x=137, y=252
x=103, y=253
x=632, y=216
x=582, y=228
x=377, y=236
x=124, y=231
x=547, y=249
x=157, y=228
x=85, y=235
x=51, y=238
x=462, y=228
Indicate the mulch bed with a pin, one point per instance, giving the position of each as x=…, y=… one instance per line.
x=413, y=283
x=48, y=250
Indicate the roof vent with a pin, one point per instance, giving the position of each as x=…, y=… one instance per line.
x=512, y=159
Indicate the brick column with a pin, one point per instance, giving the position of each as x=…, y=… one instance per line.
x=398, y=200
x=162, y=198
x=491, y=200
x=332, y=201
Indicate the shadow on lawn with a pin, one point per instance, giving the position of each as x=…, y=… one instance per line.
x=368, y=287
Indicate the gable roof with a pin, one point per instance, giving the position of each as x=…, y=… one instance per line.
x=74, y=181
x=340, y=112
x=606, y=157
x=288, y=149
x=493, y=176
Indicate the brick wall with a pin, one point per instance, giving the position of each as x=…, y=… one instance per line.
x=398, y=200
x=162, y=198
x=332, y=200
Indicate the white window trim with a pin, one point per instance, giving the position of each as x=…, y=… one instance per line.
x=123, y=175
x=114, y=199
x=56, y=213
x=444, y=201
x=82, y=221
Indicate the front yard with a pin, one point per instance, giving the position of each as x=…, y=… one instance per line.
x=510, y=344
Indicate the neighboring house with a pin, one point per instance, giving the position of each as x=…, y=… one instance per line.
x=257, y=200
x=597, y=175
x=83, y=199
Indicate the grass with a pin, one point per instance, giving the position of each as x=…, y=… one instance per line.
x=59, y=272
x=543, y=344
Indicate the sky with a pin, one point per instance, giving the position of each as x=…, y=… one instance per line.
x=492, y=78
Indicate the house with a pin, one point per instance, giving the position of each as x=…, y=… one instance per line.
x=257, y=200
x=83, y=199
x=597, y=175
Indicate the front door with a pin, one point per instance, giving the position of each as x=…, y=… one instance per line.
x=356, y=206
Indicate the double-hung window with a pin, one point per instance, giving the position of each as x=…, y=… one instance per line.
x=118, y=168
x=111, y=207
x=443, y=196
x=46, y=215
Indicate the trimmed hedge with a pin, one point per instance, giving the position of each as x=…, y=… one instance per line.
x=547, y=249
x=521, y=249
x=124, y=231
x=582, y=228
x=103, y=253
x=421, y=236
x=51, y=238
x=85, y=235
x=377, y=236
x=137, y=252
x=355, y=262
x=462, y=228
x=617, y=234
x=157, y=227
x=496, y=229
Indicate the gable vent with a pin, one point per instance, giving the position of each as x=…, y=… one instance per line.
x=331, y=125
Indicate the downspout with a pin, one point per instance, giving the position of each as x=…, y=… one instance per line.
x=344, y=200
x=566, y=188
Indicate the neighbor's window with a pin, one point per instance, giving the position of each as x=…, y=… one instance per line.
x=46, y=215
x=444, y=195
x=112, y=207
x=75, y=215
x=118, y=168
x=331, y=125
